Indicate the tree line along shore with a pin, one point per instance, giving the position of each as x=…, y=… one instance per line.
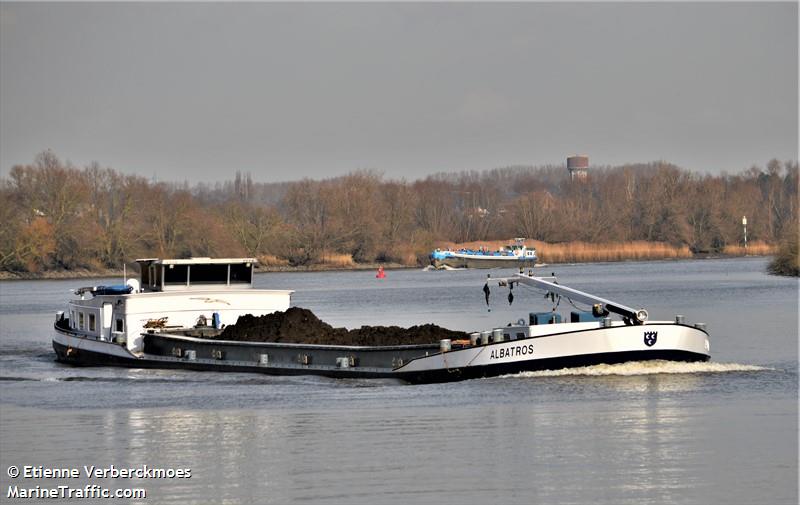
x=61, y=220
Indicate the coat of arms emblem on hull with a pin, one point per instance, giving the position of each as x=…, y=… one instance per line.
x=650, y=338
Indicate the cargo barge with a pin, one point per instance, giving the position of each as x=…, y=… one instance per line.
x=177, y=314
x=514, y=256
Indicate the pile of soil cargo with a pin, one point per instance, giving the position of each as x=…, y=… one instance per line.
x=301, y=326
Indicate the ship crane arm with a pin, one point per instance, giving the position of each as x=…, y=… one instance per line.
x=635, y=316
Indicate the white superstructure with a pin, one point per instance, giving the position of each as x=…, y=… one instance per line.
x=179, y=293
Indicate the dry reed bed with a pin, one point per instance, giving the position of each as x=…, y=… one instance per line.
x=576, y=252
x=756, y=248
x=270, y=260
x=337, y=260
x=564, y=252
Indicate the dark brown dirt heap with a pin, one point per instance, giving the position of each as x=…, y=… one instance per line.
x=301, y=326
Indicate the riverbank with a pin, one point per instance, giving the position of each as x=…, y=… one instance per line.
x=82, y=273
x=787, y=259
x=102, y=274
x=105, y=273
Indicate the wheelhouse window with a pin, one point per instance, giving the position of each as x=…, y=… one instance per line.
x=119, y=326
x=176, y=274
x=80, y=320
x=209, y=274
x=241, y=273
x=92, y=323
x=146, y=271
x=155, y=276
x=180, y=274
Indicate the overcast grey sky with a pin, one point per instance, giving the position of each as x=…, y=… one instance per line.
x=198, y=91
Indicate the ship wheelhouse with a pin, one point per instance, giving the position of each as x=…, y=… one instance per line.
x=195, y=273
x=169, y=293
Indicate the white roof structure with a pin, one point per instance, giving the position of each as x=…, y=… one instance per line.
x=197, y=261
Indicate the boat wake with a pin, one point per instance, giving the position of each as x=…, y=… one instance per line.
x=24, y=352
x=447, y=268
x=645, y=368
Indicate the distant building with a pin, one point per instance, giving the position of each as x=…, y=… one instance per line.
x=577, y=165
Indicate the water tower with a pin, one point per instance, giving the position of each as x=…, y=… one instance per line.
x=577, y=166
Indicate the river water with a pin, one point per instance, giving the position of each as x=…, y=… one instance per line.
x=723, y=432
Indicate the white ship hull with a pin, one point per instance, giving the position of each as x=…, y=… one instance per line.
x=565, y=345
x=544, y=347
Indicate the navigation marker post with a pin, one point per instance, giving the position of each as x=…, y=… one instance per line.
x=744, y=225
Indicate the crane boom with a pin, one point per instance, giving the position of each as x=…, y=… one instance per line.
x=549, y=284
